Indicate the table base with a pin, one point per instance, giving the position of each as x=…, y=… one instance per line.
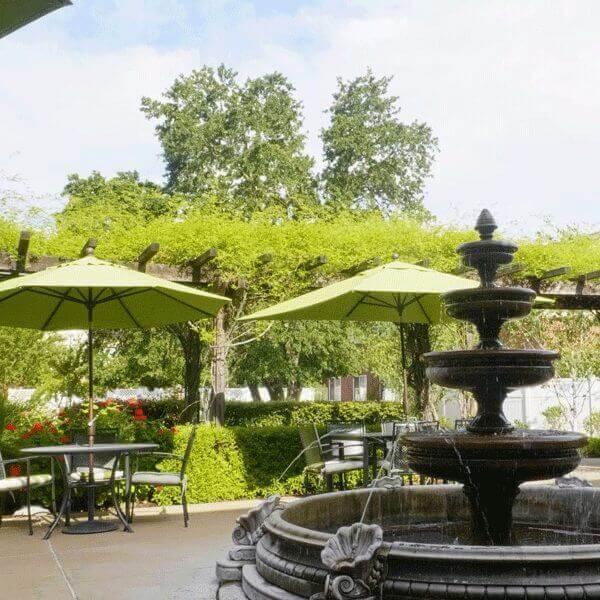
x=86, y=527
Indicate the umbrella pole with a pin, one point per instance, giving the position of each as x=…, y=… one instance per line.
x=404, y=375
x=91, y=500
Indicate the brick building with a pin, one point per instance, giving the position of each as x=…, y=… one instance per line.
x=354, y=388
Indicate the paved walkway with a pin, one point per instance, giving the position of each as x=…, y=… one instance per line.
x=161, y=560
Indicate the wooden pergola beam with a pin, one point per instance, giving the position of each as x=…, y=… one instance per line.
x=582, y=279
x=365, y=264
x=23, y=251
x=147, y=254
x=89, y=247
x=198, y=263
x=313, y=263
x=536, y=281
x=510, y=269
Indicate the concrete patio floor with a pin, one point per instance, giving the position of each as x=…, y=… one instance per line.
x=160, y=560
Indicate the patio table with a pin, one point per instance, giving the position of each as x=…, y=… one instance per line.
x=371, y=440
x=91, y=525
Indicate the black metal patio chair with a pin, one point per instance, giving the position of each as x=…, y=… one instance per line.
x=163, y=478
x=320, y=459
x=15, y=483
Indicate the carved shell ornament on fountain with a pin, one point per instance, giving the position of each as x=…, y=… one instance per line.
x=356, y=569
x=352, y=546
x=249, y=527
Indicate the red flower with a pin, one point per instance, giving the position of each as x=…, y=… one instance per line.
x=65, y=439
x=37, y=427
x=11, y=427
x=26, y=436
x=140, y=417
x=14, y=470
x=132, y=402
x=174, y=430
x=162, y=431
x=102, y=404
x=139, y=412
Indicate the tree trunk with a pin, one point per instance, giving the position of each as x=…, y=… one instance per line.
x=255, y=393
x=275, y=391
x=192, y=348
x=418, y=343
x=219, y=370
x=294, y=391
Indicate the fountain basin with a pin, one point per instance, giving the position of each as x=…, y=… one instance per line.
x=562, y=562
x=490, y=368
x=523, y=455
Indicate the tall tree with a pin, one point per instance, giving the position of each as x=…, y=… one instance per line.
x=239, y=142
x=374, y=161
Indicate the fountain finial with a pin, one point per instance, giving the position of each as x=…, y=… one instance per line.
x=486, y=225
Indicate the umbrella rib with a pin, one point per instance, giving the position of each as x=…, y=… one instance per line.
x=126, y=309
x=182, y=302
x=20, y=291
x=418, y=299
x=126, y=294
x=52, y=294
x=382, y=303
x=55, y=310
x=354, y=307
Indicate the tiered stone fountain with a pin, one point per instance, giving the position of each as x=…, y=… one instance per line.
x=486, y=539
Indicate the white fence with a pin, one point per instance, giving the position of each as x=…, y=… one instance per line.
x=578, y=398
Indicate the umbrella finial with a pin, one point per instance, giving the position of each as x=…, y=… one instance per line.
x=88, y=248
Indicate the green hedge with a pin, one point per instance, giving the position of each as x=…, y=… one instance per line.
x=592, y=450
x=293, y=413
x=229, y=463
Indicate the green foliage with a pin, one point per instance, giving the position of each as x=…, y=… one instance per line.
x=294, y=413
x=239, y=142
x=99, y=207
x=556, y=417
x=592, y=450
x=24, y=356
x=592, y=424
x=296, y=354
x=148, y=357
x=373, y=161
x=215, y=470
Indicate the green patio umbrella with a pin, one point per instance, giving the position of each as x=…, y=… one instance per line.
x=17, y=13
x=396, y=292
x=90, y=293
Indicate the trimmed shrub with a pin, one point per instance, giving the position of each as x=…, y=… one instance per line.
x=592, y=450
x=293, y=413
x=215, y=470
x=229, y=463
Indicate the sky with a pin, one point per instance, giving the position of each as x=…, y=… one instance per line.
x=511, y=90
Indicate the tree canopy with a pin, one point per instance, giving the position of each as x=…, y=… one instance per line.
x=239, y=144
x=373, y=160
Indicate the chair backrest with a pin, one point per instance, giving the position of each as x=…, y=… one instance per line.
x=104, y=460
x=188, y=450
x=461, y=423
x=309, y=437
x=351, y=447
x=428, y=426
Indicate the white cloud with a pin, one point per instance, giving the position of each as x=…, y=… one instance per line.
x=511, y=89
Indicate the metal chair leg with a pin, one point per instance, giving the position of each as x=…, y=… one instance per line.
x=186, y=517
x=132, y=491
x=329, y=480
